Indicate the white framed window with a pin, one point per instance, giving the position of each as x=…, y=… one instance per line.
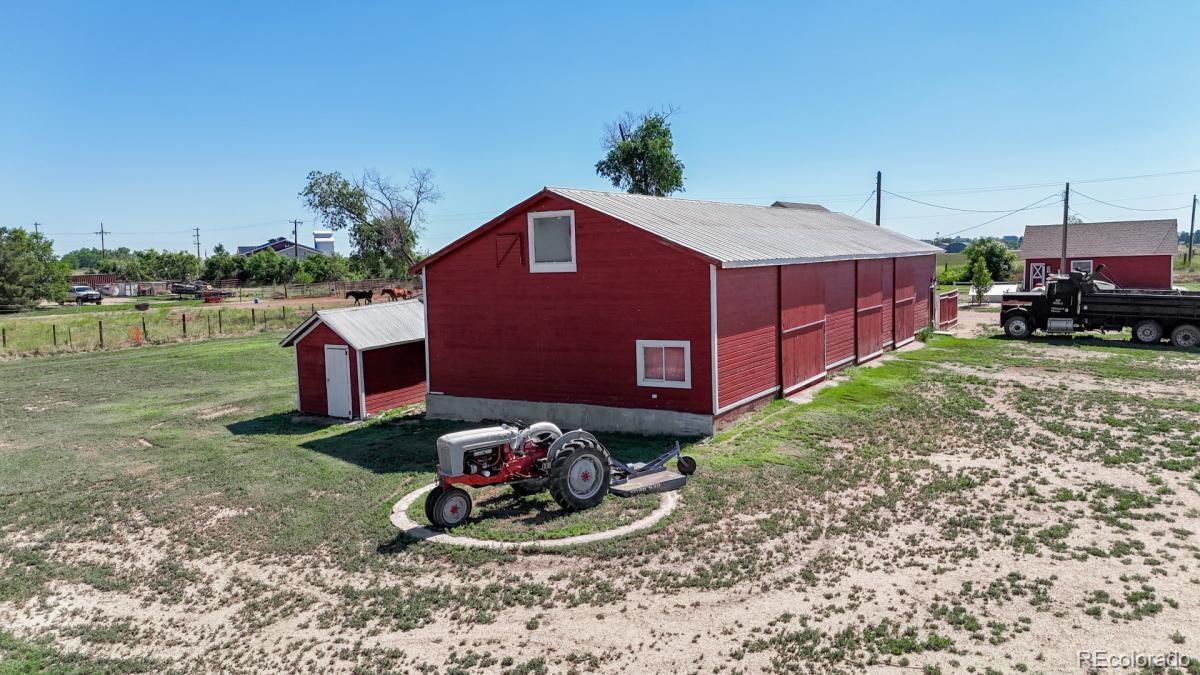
x=552, y=241
x=664, y=363
x=1084, y=266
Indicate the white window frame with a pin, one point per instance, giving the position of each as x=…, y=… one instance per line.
x=667, y=384
x=534, y=265
x=1089, y=264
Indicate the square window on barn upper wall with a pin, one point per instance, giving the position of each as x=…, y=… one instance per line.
x=552, y=241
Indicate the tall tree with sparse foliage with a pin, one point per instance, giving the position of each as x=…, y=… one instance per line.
x=640, y=155
x=29, y=270
x=384, y=218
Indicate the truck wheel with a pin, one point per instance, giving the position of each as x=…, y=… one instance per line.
x=527, y=488
x=1148, y=331
x=451, y=508
x=1186, y=336
x=579, y=476
x=1018, y=326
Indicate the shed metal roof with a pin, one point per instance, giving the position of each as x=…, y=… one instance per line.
x=369, y=327
x=1114, y=238
x=747, y=235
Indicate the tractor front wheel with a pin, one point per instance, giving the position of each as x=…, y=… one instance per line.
x=450, y=508
x=579, y=476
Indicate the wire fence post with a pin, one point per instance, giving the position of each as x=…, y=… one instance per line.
x=54, y=334
x=253, y=321
x=208, y=317
x=100, y=328
x=145, y=333
x=69, y=340
x=4, y=338
x=220, y=327
x=185, y=324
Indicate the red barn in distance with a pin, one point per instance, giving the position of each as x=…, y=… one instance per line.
x=622, y=312
x=1135, y=253
x=355, y=361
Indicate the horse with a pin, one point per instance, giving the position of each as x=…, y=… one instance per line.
x=360, y=295
x=396, y=293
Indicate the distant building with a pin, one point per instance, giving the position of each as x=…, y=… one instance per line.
x=1011, y=240
x=955, y=247
x=1135, y=253
x=323, y=241
x=285, y=247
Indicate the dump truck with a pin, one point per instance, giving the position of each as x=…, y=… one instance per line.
x=1078, y=301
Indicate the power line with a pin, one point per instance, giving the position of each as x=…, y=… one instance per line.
x=865, y=202
x=1038, y=204
x=948, y=208
x=1128, y=208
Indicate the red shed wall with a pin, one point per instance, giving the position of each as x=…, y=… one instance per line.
x=498, y=331
x=924, y=269
x=310, y=371
x=1135, y=271
x=802, y=324
x=394, y=376
x=747, y=327
x=869, y=308
x=888, y=296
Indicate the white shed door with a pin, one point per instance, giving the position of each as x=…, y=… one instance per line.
x=337, y=381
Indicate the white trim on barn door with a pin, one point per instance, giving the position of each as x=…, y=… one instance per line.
x=337, y=382
x=362, y=387
x=712, y=317
x=1038, y=271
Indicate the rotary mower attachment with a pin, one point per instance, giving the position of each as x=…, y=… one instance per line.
x=574, y=467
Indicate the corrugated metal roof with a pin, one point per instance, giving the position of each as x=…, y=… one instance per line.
x=745, y=235
x=1115, y=238
x=371, y=326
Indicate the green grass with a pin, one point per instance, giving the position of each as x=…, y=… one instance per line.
x=23, y=656
x=79, y=329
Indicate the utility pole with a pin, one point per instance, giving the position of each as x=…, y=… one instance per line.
x=196, y=237
x=36, y=224
x=1062, y=260
x=878, y=195
x=102, y=232
x=1192, y=229
x=296, y=238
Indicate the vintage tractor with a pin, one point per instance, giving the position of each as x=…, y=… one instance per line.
x=574, y=466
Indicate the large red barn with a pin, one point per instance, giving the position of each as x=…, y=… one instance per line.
x=625, y=312
x=1135, y=253
x=355, y=361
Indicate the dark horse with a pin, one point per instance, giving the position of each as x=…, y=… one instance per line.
x=360, y=295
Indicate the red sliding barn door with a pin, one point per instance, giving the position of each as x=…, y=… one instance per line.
x=889, y=300
x=839, y=312
x=801, y=325
x=904, y=318
x=869, y=309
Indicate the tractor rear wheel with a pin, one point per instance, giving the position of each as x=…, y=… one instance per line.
x=527, y=488
x=1186, y=336
x=1148, y=331
x=579, y=476
x=451, y=508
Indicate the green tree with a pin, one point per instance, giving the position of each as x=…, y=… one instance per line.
x=981, y=279
x=124, y=269
x=29, y=270
x=316, y=268
x=1001, y=261
x=640, y=155
x=384, y=219
x=89, y=257
x=268, y=267
x=222, y=265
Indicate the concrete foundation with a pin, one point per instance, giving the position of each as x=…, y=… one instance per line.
x=570, y=415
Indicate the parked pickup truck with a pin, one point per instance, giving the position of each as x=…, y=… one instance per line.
x=1078, y=302
x=80, y=294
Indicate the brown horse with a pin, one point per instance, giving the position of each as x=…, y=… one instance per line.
x=360, y=295
x=396, y=293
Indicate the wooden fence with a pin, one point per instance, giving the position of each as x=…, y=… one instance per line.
x=947, y=310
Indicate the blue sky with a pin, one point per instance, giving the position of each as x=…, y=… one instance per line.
x=159, y=117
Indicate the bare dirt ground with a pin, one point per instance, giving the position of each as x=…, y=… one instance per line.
x=974, y=506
